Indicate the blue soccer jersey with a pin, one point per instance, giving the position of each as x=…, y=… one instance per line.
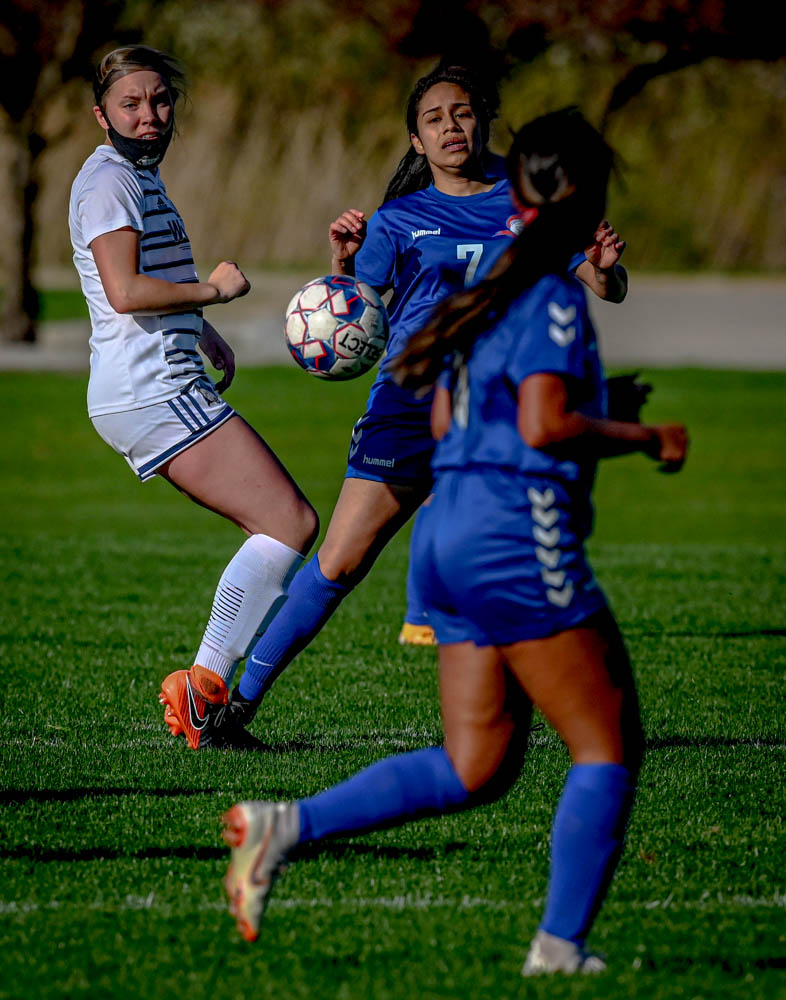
x=429, y=244
x=547, y=329
x=423, y=246
x=499, y=552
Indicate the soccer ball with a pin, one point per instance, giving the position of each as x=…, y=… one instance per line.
x=336, y=327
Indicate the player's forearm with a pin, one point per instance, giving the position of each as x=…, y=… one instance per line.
x=440, y=413
x=142, y=294
x=342, y=265
x=566, y=431
x=610, y=285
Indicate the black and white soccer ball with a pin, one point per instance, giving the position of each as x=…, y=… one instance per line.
x=336, y=327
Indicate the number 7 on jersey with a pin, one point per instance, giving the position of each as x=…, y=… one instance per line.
x=473, y=251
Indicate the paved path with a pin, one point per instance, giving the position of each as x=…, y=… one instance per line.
x=709, y=322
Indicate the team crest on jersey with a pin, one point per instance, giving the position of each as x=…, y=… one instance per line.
x=516, y=224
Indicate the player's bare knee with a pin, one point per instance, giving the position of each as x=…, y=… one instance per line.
x=298, y=528
x=476, y=762
x=345, y=564
x=301, y=528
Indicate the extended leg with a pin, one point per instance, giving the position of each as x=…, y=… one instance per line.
x=233, y=472
x=366, y=517
x=478, y=728
x=581, y=681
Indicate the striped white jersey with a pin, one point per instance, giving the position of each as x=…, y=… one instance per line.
x=135, y=360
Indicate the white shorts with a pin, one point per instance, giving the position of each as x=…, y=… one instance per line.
x=150, y=436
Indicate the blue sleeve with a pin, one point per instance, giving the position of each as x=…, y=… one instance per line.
x=553, y=321
x=375, y=262
x=575, y=260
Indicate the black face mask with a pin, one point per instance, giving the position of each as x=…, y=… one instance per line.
x=145, y=154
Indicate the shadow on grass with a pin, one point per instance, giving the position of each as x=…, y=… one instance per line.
x=20, y=795
x=338, y=850
x=43, y=855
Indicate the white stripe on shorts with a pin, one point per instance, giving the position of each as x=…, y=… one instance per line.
x=150, y=436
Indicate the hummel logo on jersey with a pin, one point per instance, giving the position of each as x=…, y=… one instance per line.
x=197, y=721
x=357, y=434
x=559, y=589
x=425, y=232
x=559, y=331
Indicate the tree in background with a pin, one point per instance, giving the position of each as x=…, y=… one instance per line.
x=642, y=38
x=44, y=46
x=293, y=83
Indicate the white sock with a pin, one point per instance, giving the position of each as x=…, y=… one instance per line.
x=250, y=591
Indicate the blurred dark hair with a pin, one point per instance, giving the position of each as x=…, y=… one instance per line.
x=131, y=58
x=413, y=172
x=559, y=165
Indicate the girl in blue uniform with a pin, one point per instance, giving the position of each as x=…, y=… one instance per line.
x=445, y=216
x=519, y=414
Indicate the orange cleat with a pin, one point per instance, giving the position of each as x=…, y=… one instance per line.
x=193, y=703
x=417, y=635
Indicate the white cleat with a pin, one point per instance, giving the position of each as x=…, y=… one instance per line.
x=548, y=953
x=260, y=835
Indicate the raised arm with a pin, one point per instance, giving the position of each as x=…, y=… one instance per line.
x=601, y=271
x=346, y=236
x=117, y=258
x=545, y=422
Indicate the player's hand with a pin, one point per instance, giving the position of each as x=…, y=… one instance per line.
x=229, y=281
x=607, y=247
x=669, y=446
x=219, y=354
x=346, y=234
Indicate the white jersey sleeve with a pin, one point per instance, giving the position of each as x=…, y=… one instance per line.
x=140, y=359
x=111, y=198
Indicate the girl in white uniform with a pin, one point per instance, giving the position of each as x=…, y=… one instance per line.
x=149, y=396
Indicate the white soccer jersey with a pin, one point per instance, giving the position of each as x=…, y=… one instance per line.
x=135, y=360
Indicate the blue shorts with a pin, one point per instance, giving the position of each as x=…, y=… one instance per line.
x=499, y=558
x=392, y=442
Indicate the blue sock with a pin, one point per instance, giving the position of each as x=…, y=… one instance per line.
x=416, y=614
x=312, y=599
x=586, y=842
x=402, y=787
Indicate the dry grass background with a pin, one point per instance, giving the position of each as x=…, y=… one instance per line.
x=295, y=117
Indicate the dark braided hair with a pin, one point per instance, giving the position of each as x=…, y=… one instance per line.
x=413, y=172
x=560, y=166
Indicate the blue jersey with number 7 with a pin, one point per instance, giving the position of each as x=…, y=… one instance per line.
x=427, y=245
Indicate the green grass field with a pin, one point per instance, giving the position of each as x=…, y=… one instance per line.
x=110, y=856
